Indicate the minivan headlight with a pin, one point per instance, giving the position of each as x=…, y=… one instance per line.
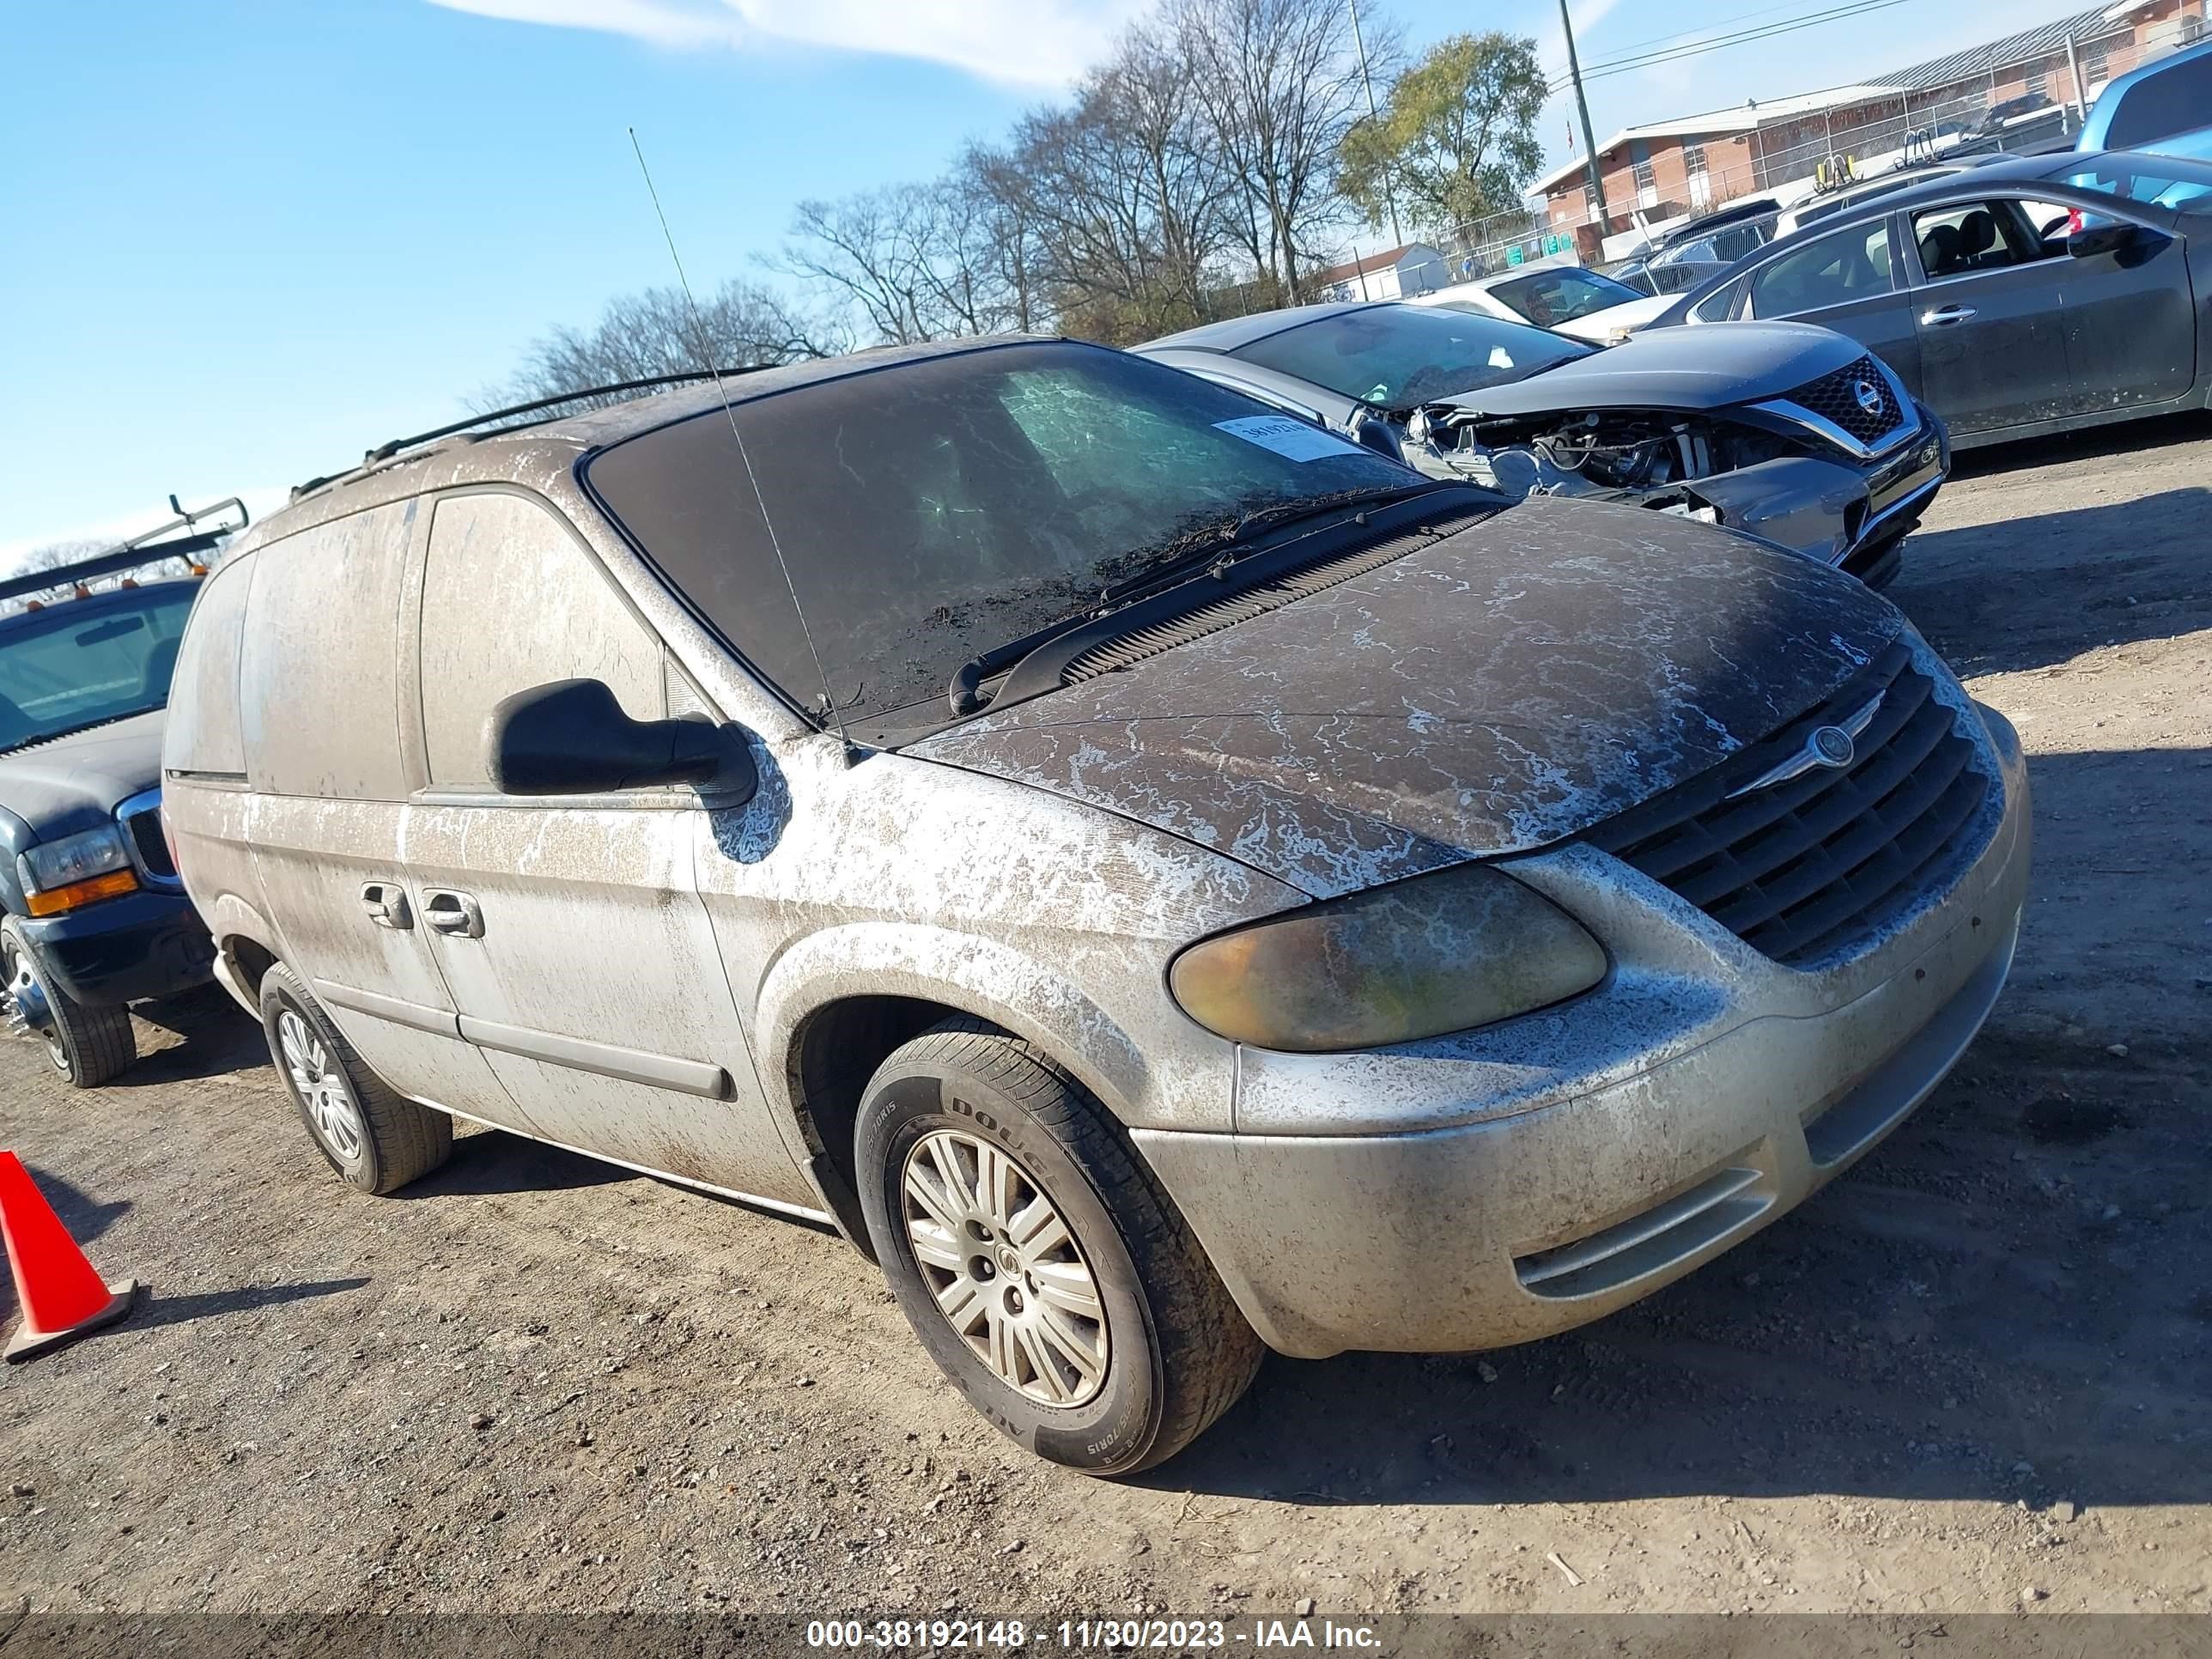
x=1438, y=953
x=60, y=875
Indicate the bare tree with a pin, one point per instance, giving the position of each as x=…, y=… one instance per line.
x=1014, y=255
x=1123, y=197
x=916, y=262
x=54, y=554
x=656, y=332
x=1280, y=81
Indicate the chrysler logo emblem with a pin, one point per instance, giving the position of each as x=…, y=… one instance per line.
x=1868, y=395
x=1834, y=747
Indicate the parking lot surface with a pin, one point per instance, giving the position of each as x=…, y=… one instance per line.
x=1974, y=1374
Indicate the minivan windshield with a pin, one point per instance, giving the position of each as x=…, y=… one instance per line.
x=80, y=662
x=1397, y=356
x=931, y=510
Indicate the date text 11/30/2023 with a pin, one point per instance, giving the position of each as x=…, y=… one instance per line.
x=1083, y=1635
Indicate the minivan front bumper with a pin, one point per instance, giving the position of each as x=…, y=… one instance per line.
x=1477, y=1191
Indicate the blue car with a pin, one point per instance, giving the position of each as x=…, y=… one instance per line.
x=2161, y=107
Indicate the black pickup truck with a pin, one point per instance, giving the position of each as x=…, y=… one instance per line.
x=95, y=918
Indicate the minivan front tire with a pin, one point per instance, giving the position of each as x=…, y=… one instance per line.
x=1036, y=1258
x=376, y=1139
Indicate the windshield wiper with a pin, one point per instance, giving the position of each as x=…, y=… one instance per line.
x=1209, y=548
x=39, y=738
x=1202, y=543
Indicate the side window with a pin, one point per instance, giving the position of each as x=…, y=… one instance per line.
x=318, y=689
x=1832, y=270
x=1975, y=236
x=511, y=601
x=1720, y=304
x=202, y=732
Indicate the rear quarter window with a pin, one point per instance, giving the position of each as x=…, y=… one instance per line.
x=201, y=734
x=319, y=687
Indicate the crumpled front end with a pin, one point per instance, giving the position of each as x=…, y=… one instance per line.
x=1839, y=469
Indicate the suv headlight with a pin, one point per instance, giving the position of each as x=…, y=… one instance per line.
x=61, y=875
x=1438, y=953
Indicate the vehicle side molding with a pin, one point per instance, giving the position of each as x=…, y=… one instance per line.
x=690, y=1077
x=441, y=1021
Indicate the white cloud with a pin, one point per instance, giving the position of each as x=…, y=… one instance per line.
x=1039, y=43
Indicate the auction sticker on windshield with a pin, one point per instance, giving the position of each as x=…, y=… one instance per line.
x=1288, y=437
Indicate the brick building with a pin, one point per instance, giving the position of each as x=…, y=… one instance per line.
x=1671, y=168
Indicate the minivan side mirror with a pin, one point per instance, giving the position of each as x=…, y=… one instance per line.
x=572, y=737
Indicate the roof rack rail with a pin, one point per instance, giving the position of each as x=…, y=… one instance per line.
x=131, y=554
x=392, y=446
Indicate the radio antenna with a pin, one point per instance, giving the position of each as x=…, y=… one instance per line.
x=730, y=413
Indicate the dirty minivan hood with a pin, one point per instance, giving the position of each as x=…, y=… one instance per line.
x=1493, y=692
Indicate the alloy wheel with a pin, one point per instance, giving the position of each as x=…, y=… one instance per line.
x=321, y=1087
x=23, y=993
x=1005, y=1269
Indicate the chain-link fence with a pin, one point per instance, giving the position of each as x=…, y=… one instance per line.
x=2031, y=97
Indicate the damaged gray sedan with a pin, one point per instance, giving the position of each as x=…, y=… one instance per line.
x=1161, y=879
x=1789, y=432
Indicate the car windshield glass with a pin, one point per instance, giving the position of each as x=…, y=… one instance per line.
x=79, y=662
x=929, y=511
x=2164, y=181
x=1549, y=298
x=1398, y=356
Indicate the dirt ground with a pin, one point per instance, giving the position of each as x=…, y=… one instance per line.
x=1974, y=1374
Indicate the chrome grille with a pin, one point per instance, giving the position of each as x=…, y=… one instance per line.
x=1834, y=397
x=141, y=818
x=1819, y=862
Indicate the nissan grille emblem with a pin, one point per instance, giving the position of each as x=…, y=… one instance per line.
x=1869, y=398
x=1834, y=747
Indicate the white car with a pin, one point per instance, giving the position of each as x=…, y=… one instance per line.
x=1566, y=299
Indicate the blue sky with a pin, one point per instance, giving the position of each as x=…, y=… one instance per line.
x=245, y=240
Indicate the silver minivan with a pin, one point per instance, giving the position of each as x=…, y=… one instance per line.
x=1161, y=879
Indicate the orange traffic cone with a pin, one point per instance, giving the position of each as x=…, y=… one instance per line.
x=61, y=1297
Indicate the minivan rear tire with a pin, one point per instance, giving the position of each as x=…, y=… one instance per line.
x=1177, y=1353
x=376, y=1139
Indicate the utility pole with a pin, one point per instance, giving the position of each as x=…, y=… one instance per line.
x=2081, y=93
x=1589, y=138
x=1389, y=193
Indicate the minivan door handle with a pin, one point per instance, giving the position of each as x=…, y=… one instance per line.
x=387, y=904
x=459, y=914
x=1944, y=316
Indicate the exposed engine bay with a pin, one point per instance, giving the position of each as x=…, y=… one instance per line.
x=1705, y=467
